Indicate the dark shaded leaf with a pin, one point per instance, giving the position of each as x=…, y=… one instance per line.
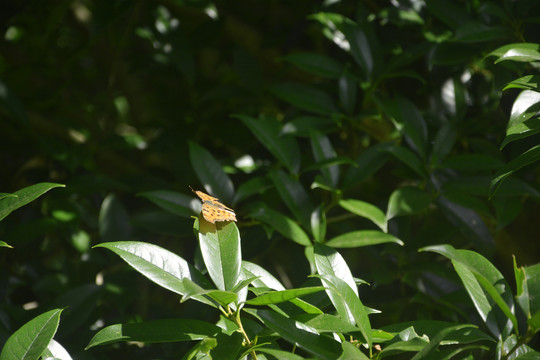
x=156, y=331
x=267, y=131
x=210, y=173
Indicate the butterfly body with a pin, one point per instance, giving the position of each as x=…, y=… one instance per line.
x=213, y=210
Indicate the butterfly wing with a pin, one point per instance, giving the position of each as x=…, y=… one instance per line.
x=213, y=212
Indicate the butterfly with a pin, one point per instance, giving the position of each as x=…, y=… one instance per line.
x=213, y=210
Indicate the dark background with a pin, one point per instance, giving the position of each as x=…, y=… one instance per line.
x=104, y=96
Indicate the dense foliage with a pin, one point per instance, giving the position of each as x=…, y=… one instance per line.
x=381, y=158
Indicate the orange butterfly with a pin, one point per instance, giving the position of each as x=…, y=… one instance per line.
x=213, y=210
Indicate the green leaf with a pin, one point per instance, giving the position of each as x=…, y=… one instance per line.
x=406, y=341
x=210, y=173
x=318, y=223
x=351, y=352
x=527, y=353
x=173, y=202
x=167, y=330
x=193, y=290
x=366, y=210
x=341, y=288
x=323, y=150
x=523, y=52
x=4, y=244
x=348, y=304
x=407, y=338
x=5, y=195
x=361, y=48
x=361, y=238
x=327, y=323
x=159, y=265
x=276, y=297
x=529, y=82
x=316, y=64
x=263, y=277
x=294, y=196
x=431, y=347
x=267, y=131
x=485, y=286
x=330, y=262
x=526, y=105
x=221, y=252
x=282, y=224
x=408, y=158
x=528, y=157
x=515, y=46
x=408, y=121
x=522, y=289
x=521, y=131
x=534, y=322
x=407, y=201
x=298, y=334
x=528, y=285
x=201, y=351
x=8, y=204
x=305, y=97
x=245, y=282
x=31, y=340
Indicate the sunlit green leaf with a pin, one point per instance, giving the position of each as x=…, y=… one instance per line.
x=276, y=297
x=4, y=244
x=361, y=238
x=193, y=290
x=486, y=286
x=159, y=265
x=22, y=197
x=529, y=82
x=31, y=340
x=221, y=251
x=366, y=210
